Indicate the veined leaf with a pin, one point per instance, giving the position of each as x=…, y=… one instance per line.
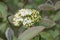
x=57, y=16
x=9, y=34
x=3, y=9
x=10, y=19
x=47, y=22
x=57, y=5
x=3, y=27
x=46, y=7
x=30, y=33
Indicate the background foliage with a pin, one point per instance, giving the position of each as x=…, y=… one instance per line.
x=47, y=29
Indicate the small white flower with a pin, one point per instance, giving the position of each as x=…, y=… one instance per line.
x=17, y=15
x=26, y=21
x=16, y=23
x=25, y=12
x=14, y=19
x=20, y=19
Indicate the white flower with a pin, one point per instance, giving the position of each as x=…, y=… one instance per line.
x=26, y=17
x=20, y=19
x=17, y=15
x=26, y=21
x=17, y=20
x=16, y=23
x=25, y=12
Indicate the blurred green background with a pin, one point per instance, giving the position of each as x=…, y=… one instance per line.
x=49, y=9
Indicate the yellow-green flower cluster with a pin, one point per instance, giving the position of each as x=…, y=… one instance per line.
x=26, y=17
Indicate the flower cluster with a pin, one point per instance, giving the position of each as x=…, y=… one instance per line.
x=26, y=17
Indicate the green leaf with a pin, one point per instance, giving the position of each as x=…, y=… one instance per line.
x=57, y=16
x=39, y=1
x=0, y=15
x=21, y=30
x=54, y=33
x=10, y=19
x=20, y=5
x=28, y=6
x=47, y=23
x=46, y=36
x=57, y=38
x=3, y=27
x=12, y=6
x=3, y=9
x=16, y=2
x=9, y=34
x=37, y=37
x=46, y=7
x=57, y=5
x=15, y=38
x=30, y=33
